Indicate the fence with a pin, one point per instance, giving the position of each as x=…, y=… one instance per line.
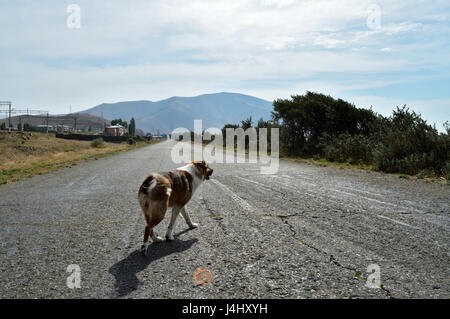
x=90, y=137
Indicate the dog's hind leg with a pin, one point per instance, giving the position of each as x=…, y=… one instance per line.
x=153, y=216
x=157, y=212
x=188, y=219
x=146, y=234
x=173, y=218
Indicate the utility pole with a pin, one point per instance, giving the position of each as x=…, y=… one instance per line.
x=9, y=112
x=9, y=126
x=47, y=123
x=75, y=123
x=20, y=114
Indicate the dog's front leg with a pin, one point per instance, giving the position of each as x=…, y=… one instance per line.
x=188, y=219
x=173, y=218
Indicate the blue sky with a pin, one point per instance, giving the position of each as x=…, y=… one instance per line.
x=372, y=53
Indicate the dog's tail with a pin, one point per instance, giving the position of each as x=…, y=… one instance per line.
x=154, y=187
x=148, y=184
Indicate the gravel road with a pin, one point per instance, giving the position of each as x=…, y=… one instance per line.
x=306, y=232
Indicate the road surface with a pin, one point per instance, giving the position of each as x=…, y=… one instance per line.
x=306, y=232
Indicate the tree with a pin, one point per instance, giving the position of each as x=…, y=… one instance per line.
x=132, y=128
x=246, y=124
x=119, y=122
x=306, y=118
x=19, y=126
x=447, y=127
x=3, y=126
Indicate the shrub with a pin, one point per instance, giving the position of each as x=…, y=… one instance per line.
x=140, y=138
x=427, y=172
x=446, y=170
x=132, y=141
x=98, y=143
x=410, y=145
x=347, y=148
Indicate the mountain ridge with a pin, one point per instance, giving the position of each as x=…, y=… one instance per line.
x=215, y=109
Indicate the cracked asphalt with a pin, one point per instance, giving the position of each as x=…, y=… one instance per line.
x=305, y=232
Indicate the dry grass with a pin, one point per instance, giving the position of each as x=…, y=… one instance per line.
x=27, y=154
x=364, y=167
x=324, y=162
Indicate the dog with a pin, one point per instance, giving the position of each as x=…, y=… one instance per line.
x=160, y=191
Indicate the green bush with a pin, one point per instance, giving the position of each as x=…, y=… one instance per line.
x=347, y=148
x=132, y=141
x=427, y=172
x=140, y=138
x=446, y=170
x=98, y=143
x=410, y=145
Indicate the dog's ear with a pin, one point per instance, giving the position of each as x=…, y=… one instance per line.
x=201, y=165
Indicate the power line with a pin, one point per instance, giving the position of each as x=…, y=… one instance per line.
x=9, y=111
x=73, y=121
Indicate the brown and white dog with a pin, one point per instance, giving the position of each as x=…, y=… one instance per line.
x=172, y=189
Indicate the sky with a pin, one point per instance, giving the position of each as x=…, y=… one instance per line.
x=55, y=56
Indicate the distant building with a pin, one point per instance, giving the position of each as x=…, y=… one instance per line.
x=44, y=128
x=63, y=128
x=115, y=130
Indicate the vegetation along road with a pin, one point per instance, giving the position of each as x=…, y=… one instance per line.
x=305, y=232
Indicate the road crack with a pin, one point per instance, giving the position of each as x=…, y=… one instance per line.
x=358, y=275
x=213, y=214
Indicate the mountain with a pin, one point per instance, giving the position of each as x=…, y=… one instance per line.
x=164, y=116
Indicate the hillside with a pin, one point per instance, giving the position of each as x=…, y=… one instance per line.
x=164, y=116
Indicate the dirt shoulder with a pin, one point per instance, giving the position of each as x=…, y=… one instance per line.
x=25, y=154
x=365, y=167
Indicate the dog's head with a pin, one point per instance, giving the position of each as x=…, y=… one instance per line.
x=203, y=169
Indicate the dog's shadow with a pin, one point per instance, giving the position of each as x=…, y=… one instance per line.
x=125, y=270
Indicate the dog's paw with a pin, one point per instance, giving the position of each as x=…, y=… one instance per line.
x=193, y=226
x=169, y=237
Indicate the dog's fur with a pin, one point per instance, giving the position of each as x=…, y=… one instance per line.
x=172, y=189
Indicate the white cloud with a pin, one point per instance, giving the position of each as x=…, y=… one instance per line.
x=157, y=49
x=277, y=3
x=328, y=42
